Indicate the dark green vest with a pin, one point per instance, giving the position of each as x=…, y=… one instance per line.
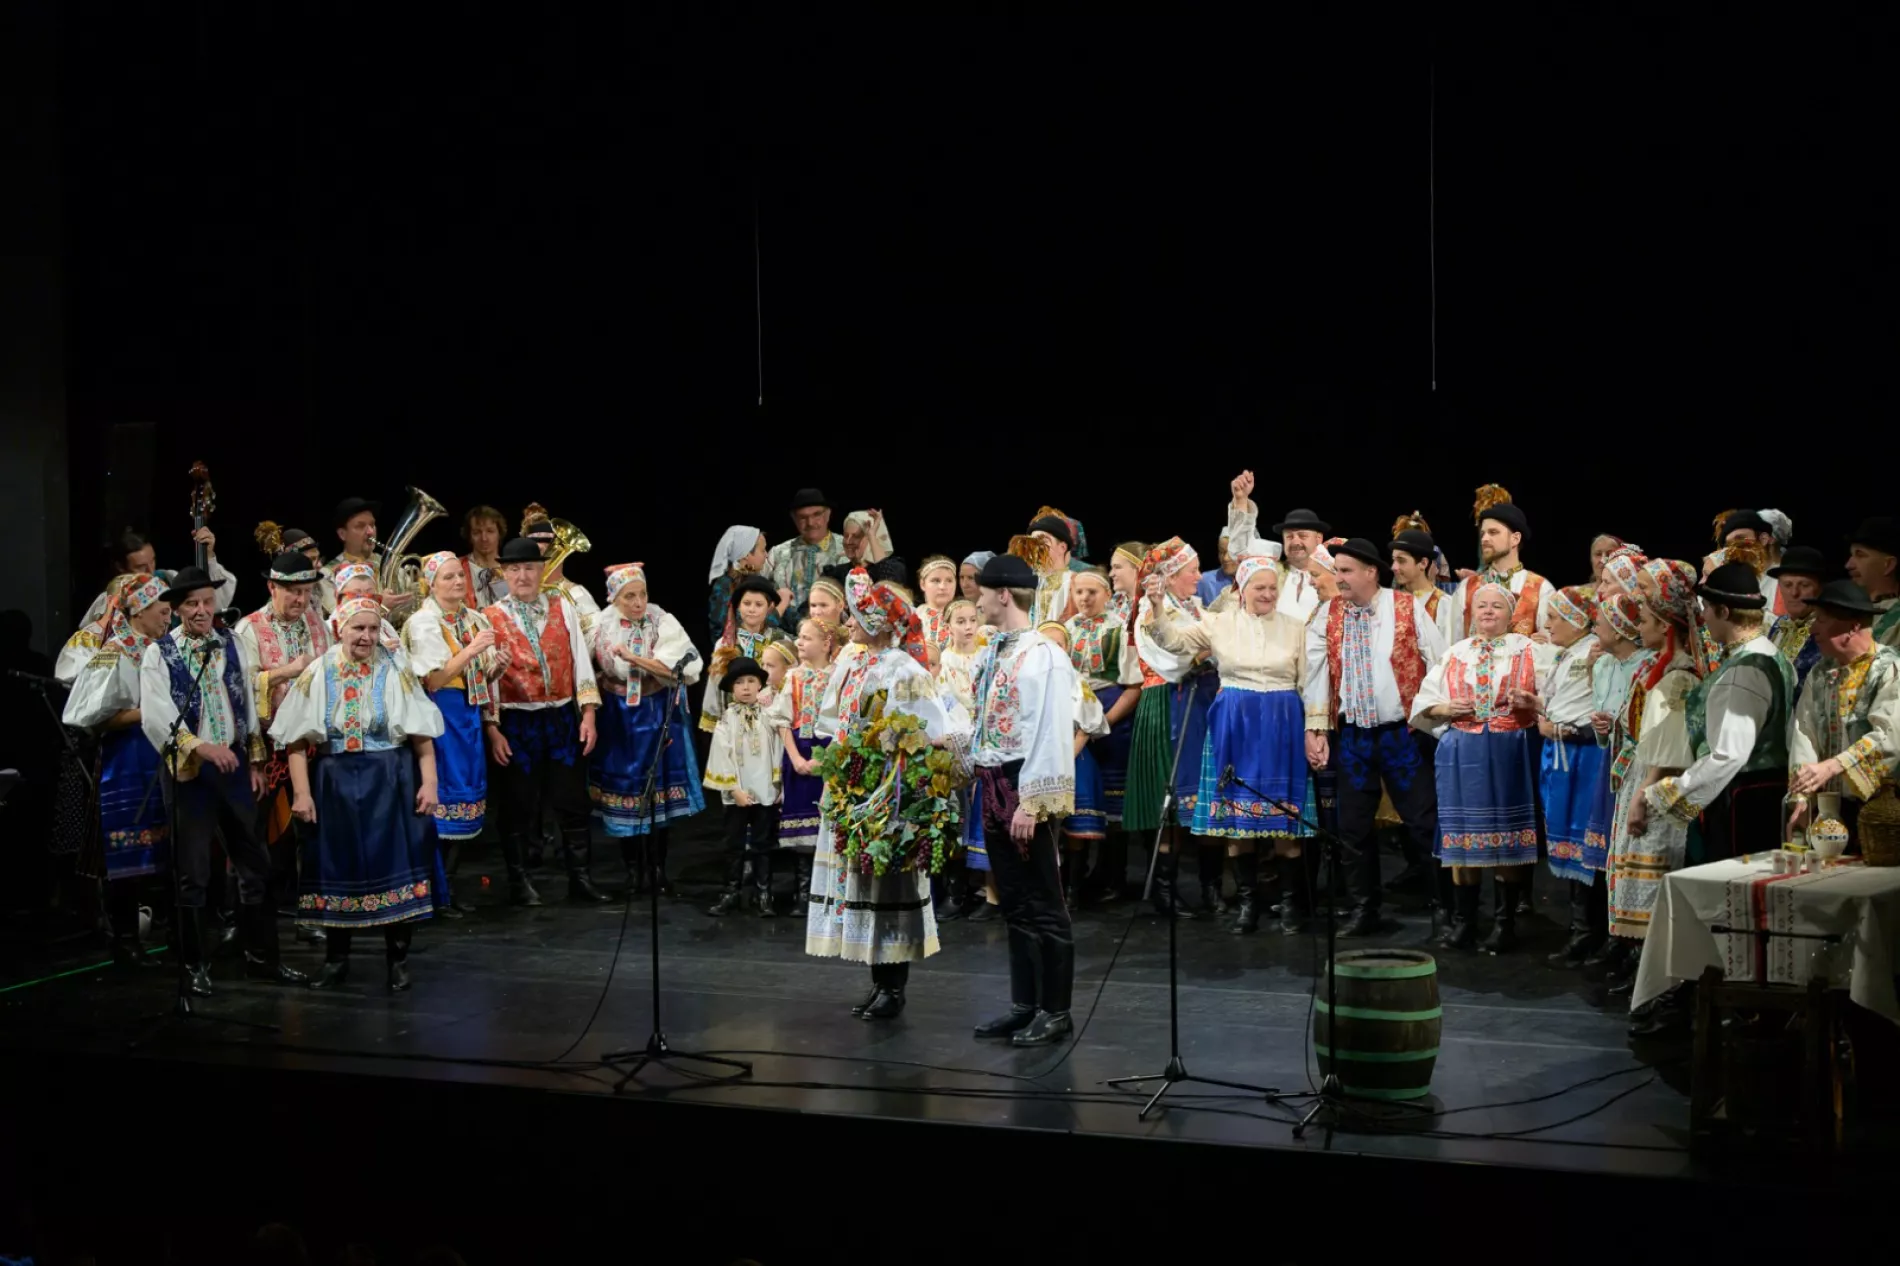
x=1771, y=745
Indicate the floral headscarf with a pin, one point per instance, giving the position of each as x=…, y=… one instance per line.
x=1574, y=606
x=1676, y=602
x=352, y=572
x=1251, y=566
x=350, y=608
x=878, y=607
x=620, y=575
x=1510, y=600
x=1169, y=557
x=432, y=566
x=1624, y=566
x=1624, y=616
x=135, y=594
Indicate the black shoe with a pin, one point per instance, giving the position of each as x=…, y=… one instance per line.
x=332, y=975
x=450, y=911
x=198, y=980
x=1046, y=1028
x=1292, y=911
x=1669, y=1016
x=256, y=967
x=1624, y=979
x=1462, y=931
x=128, y=955
x=888, y=1004
x=1503, y=938
x=1166, y=898
x=521, y=891
x=729, y=900
x=1362, y=922
x=1610, y=954
x=986, y=912
x=1018, y=1019
x=311, y=936
x=1416, y=877
x=581, y=890
x=869, y=998
x=398, y=977
x=762, y=904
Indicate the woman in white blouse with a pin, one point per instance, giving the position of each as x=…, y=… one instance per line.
x=1480, y=702
x=1253, y=766
x=371, y=794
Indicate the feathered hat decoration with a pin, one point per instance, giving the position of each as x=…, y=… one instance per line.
x=270, y=538
x=1032, y=550
x=1489, y=496
x=535, y=513
x=1747, y=552
x=1413, y=522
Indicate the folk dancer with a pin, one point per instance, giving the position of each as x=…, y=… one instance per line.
x=1414, y=558
x=1104, y=657
x=90, y=638
x=970, y=892
x=1754, y=535
x=1124, y=578
x=636, y=648
x=884, y=921
x=743, y=768
x=1025, y=769
x=749, y=626
x=794, y=564
x=370, y=863
x=357, y=580
x=1798, y=580
x=1054, y=536
x=1847, y=722
x=1873, y=563
x=1502, y=531
x=544, y=727
x=1367, y=653
x=198, y=711
x=133, y=825
x=134, y=555
x=937, y=578
x=536, y=526
x=451, y=650
x=355, y=522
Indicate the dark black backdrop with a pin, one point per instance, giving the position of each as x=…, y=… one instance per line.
x=1098, y=263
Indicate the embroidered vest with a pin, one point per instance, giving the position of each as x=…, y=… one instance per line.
x=183, y=670
x=1771, y=744
x=1524, y=618
x=1490, y=689
x=524, y=681
x=1408, y=665
x=271, y=652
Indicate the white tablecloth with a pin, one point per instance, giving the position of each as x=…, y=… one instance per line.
x=1859, y=903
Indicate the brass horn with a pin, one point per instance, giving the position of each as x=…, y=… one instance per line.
x=568, y=539
x=398, y=571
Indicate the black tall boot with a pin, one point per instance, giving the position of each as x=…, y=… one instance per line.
x=396, y=955
x=520, y=890
x=729, y=898
x=336, y=960
x=1210, y=867
x=576, y=852
x=657, y=845
x=188, y=928
x=762, y=885
x=451, y=854
x=1462, y=931
x=801, y=869
x=1504, y=928
x=263, y=959
x=633, y=856
x=1582, y=936
x=1247, y=891
x=1077, y=860
x=1163, y=894
x=459, y=897
x=122, y=911
x=1294, y=906
x=956, y=894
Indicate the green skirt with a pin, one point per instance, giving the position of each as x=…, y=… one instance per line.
x=1150, y=753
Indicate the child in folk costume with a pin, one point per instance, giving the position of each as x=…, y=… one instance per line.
x=637, y=648
x=1090, y=819
x=794, y=715
x=1124, y=578
x=1104, y=657
x=937, y=578
x=748, y=629
x=743, y=767
x=1480, y=701
x=133, y=825
x=971, y=889
x=1572, y=772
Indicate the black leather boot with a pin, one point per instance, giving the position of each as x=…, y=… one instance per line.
x=633, y=857
x=1462, y=931
x=1208, y=866
x=336, y=961
x=447, y=907
x=890, y=979
x=459, y=897
x=575, y=854
x=396, y=956
x=1163, y=895
x=1294, y=906
x=657, y=845
x=801, y=869
x=189, y=928
x=520, y=890
x=1247, y=892
x=1610, y=954
x=729, y=897
x=1077, y=863
x=1582, y=937
x=1503, y=936
x=122, y=909
x=956, y=896
x=762, y=886
x=1623, y=979
x=263, y=960
x=1019, y=1017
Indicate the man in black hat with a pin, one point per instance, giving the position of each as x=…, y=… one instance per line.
x=197, y=707
x=1024, y=755
x=1739, y=722
x=355, y=522
x=1751, y=529
x=1856, y=750
x=1798, y=579
x=792, y=565
x=1301, y=534
x=1502, y=531
x=1873, y=563
x=133, y=554
x=1413, y=555
x=1367, y=652
x=279, y=640
x=540, y=529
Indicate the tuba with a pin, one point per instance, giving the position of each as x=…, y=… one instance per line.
x=399, y=571
x=568, y=539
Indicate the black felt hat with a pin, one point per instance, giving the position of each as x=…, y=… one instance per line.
x=1416, y=543
x=1055, y=526
x=350, y=507
x=890, y=569
x=1750, y=520
x=298, y=539
x=741, y=668
x=1804, y=560
x=1509, y=515
x=1362, y=549
x=190, y=580
x=519, y=550
x=1733, y=585
x=1303, y=521
x=1843, y=596
x=1880, y=532
x=805, y=498
x=538, y=530
x=753, y=584
x=1007, y=571
x=292, y=568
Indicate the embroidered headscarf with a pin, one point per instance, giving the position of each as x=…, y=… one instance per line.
x=126, y=597
x=350, y=608
x=1623, y=615
x=1675, y=601
x=1574, y=606
x=1625, y=566
x=738, y=541
x=1251, y=566
x=620, y=575
x=350, y=572
x=432, y=565
x=878, y=607
x=1491, y=586
x=1168, y=558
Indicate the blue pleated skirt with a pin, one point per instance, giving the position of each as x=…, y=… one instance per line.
x=1262, y=734
x=1088, y=822
x=799, y=796
x=1188, y=705
x=461, y=767
x=976, y=854
x=1487, y=799
x=1111, y=755
x=1575, y=777
x=629, y=742
x=371, y=860
x=132, y=819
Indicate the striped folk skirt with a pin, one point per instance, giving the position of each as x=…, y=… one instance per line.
x=1487, y=799
x=1167, y=714
x=866, y=918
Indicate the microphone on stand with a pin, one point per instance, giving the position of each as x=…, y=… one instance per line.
x=1226, y=778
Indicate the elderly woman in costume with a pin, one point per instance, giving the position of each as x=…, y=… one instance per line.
x=637, y=648
x=740, y=553
x=1256, y=728
x=1480, y=701
x=358, y=580
x=451, y=650
x=105, y=702
x=1651, y=742
x=886, y=920
x=371, y=794
x=967, y=572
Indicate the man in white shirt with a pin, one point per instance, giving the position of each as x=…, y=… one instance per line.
x=1301, y=534
x=1502, y=531
x=134, y=555
x=197, y=708
x=1367, y=652
x=792, y=565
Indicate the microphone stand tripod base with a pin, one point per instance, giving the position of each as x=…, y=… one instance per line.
x=658, y=1052
x=1176, y=1073
x=1331, y=1101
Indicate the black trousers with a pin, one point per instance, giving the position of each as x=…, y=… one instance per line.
x=757, y=823
x=215, y=804
x=545, y=771
x=1745, y=818
x=1029, y=890
x=284, y=852
x=1363, y=761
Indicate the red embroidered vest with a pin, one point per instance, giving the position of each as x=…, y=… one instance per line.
x=523, y=682
x=1524, y=618
x=1519, y=674
x=272, y=653
x=1408, y=665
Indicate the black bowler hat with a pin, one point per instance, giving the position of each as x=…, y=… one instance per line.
x=1846, y=597
x=1362, y=549
x=741, y=668
x=805, y=498
x=889, y=570
x=1880, y=532
x=1414, y=542
x=1303, y=521
x=1803, y=560
x=1056, y=527
x=1007, y=571
x=298, y=539
x=1733, y=585
x=292, y=568
x=190, y=580
x=753, y=584
x=1509, y=515
x=520, y=550
x=350, y=507
x=1750, y=520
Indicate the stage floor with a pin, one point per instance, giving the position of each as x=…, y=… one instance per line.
x=523, y=985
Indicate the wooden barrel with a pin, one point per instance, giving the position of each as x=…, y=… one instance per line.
x=1383, y=1032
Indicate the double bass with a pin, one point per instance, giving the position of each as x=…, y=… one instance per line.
x=204, y=499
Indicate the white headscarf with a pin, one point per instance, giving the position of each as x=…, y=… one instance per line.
x=733, y=546
x=882, y=537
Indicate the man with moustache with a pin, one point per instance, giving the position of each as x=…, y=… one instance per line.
x=1873, y=563
x=792, y=565
x=1847, y=720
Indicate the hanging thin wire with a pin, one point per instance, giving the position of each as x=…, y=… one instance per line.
x=758, y=301
x=1431, y=208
